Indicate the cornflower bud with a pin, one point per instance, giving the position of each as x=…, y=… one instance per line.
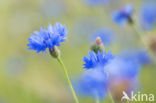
x=98, y=45
x=55, y=52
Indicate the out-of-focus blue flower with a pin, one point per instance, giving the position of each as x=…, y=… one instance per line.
x=47, y=38
x=122, y=16
x=99, y=59
x=93, y=83
x=148, y=16
x=122, y=67
x=96, y=2
x=141, y=56
x=107, y=36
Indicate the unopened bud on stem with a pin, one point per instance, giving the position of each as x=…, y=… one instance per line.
x=98, y=45
x=55, y=52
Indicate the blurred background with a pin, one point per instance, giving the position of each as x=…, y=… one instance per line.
x=27, y=77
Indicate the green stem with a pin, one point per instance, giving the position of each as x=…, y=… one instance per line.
x=97, y=98
x=69, y=82
x=111, y=98
x=140, y=34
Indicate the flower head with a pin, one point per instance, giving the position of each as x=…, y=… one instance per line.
x=123, y=66
x=148, y=16
x=97, y=59
x=123, y=15
x=142, y=56
x=93, y=83
x=47, y=38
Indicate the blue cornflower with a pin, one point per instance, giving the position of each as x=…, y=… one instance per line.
x=96, y=2
x=123, y=15
x=107, y=36
x=148, y=16
x=47, y=38
x=141, y=56
x=99, y=59
x=93, y=83
x=128, y=64
x=123, y=67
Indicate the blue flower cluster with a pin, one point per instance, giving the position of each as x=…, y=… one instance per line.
x=95, y=60
x=103, y=68
x=120, y=67
x=47, y=38
x=128, y=64
x=140, y=56
x=123, y=16
x=143, y=57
